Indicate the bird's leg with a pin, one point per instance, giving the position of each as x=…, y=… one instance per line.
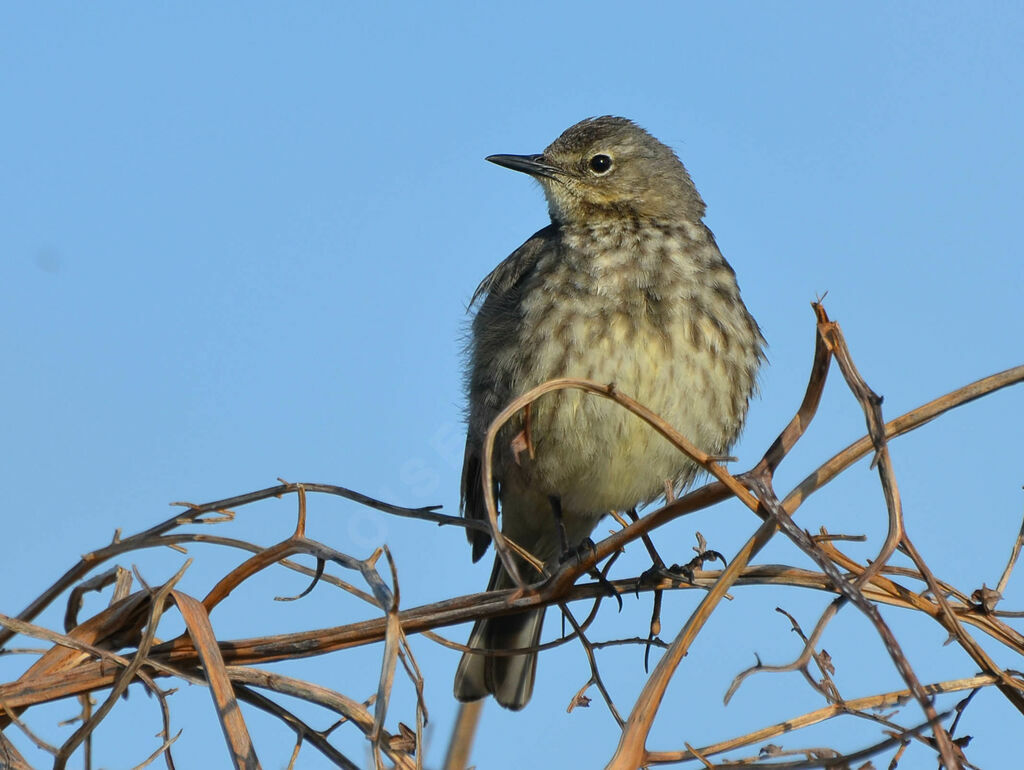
x=657, y=569
x=563, y=539
x=586, y=545
x=651, y=576
x=556, y=508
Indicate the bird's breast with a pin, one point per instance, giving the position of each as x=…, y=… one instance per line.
x=639, y=311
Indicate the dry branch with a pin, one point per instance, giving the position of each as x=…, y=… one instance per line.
x=85, y=659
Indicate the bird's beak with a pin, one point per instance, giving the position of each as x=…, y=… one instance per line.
x=534, y=165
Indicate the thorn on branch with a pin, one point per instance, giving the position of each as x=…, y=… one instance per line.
x=986, y=599
x=320, y=565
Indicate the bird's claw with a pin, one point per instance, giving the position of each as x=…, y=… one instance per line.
x=581, y=551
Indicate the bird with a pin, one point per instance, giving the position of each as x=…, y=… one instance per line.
x=625, y=286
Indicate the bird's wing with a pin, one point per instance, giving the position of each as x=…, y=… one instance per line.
x=495, y=320
x=511, y=270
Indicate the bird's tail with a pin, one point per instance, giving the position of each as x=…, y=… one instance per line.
x=508, y=677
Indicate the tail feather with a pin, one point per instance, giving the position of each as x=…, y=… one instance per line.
x=508, y=677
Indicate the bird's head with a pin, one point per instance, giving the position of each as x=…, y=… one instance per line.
x=610, y=168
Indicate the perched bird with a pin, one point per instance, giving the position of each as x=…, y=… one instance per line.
x=625, y=286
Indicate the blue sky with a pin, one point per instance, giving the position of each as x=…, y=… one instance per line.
x=238, y=241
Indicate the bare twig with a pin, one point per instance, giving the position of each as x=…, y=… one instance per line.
x=81, y=661
x=1004, y=579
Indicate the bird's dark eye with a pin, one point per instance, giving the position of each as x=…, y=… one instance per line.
x=600, y=164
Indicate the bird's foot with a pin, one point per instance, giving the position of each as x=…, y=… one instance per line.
x=579, y=553
x=607, y=585
x=678, y=572
x=584, y=549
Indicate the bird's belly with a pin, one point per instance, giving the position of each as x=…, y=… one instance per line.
x=594, y=454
